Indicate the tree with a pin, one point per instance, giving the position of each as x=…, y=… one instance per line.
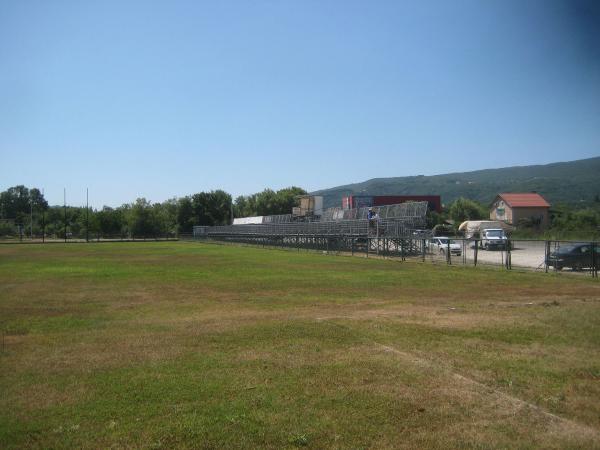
x=110, y=221
x=582, y=222
x=140, y=219
x=200, y=206
x=464, y=209
x=38, y=200
x=185, y=215
x=23, y=207
x=210, y=208
x=268, y=202
x=287, y=198
x=164, y=216
x=17, y=203
x=220, y=207
x=14, y=202
x=434, y=218
x=241, y=207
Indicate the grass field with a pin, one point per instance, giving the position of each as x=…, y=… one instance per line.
x=162, y=345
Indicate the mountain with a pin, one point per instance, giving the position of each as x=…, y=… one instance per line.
x=574, y=182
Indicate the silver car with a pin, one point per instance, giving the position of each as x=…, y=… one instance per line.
x=441, y=244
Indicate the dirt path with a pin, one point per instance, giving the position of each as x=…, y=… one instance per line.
x=509, y=403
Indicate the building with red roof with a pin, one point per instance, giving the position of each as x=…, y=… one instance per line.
x=515, y=208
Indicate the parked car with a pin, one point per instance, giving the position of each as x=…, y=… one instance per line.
x=575, y=256
x=440, y=245
x=493, y=238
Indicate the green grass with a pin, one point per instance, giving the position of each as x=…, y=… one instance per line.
x=163, y=345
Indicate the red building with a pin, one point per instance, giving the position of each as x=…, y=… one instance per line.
x=361, y=201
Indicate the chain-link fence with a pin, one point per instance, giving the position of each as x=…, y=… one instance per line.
x=25, y=236
x=355, y=237
x=41, y=228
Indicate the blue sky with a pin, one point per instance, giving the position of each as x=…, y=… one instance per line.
x=163, y=99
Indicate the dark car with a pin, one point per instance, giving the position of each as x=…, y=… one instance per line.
x=575, y=256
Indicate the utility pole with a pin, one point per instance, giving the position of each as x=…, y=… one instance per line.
x=31, y=218
x=65, y=208
x=87, y=218
x=43, y=220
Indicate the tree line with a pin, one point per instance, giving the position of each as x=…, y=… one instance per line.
x=25, y=211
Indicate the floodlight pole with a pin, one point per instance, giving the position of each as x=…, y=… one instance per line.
x=87, y=218
x=65, y=209
x=43, y=220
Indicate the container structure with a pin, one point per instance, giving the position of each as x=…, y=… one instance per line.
x=434, y=202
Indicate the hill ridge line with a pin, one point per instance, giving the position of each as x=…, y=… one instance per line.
x=575, y=182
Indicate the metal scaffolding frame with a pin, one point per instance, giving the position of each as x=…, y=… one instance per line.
x=402, y=211
x=393, y=221
x=357, y=228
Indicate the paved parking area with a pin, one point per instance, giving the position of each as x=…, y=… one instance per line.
x=527, y=254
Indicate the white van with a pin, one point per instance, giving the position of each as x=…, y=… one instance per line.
x=493, y=238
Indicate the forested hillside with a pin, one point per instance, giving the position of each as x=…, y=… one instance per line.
x=575, y=182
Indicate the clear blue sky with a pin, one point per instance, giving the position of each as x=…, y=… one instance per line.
x=162, y=99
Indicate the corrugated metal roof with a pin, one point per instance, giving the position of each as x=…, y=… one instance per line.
x=524, y=200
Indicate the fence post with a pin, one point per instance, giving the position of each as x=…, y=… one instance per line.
x=448, y=257
x=352, y=246
x=594, y=260
x=368, y=245
x=508, y=254
x=423, y=248
x=475, y=253
x=546, y=255
x=377, y=237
